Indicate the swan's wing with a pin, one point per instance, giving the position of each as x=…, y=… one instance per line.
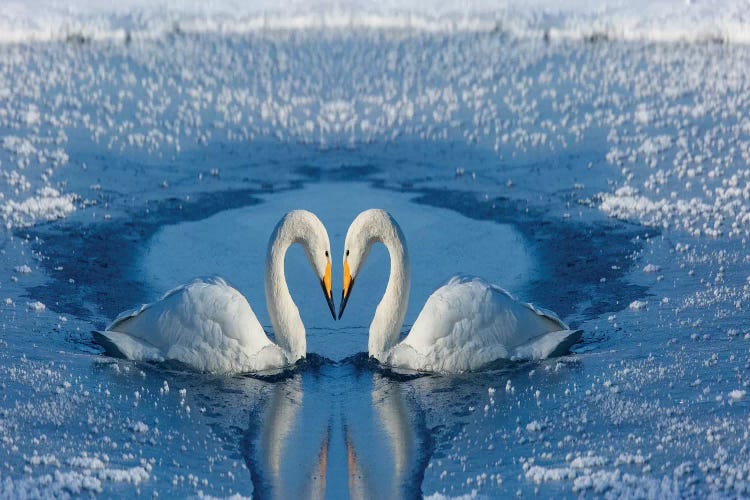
x=176, y=291
x=468, y=323
x=205, y=324
x=122, y=345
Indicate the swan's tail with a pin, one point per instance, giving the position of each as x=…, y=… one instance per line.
x=122, y=345
x=548, y=345
x=569, y=339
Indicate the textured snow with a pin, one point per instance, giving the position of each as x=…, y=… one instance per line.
x=587, y=462
x=637, y=305
x=36, y=306
x=139, y=427
x=107, y=127
x=614, y=484
x=651, y=268
x=662, y=20
x=441, y=496
x=235, y=496
x=534, y=426
x=48, y=204
x=65, y=484
x=737, y=394
x=539, y=474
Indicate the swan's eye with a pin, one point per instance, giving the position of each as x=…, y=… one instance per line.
x=347, y=253
x=326, y=253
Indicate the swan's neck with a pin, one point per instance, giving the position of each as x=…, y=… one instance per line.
x=287, y=323
x=389, y=315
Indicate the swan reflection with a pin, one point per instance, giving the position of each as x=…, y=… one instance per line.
x=386, y=454
x=287, y=443
x=336, y=433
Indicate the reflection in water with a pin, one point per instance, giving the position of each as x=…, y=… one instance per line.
x=335, y=433
x=353, y=429
x=318, y=477
x=386, y=458
x=280, y=416
x=286, y=445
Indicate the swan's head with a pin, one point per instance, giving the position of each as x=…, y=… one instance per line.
x=312, y=234
x=367, y=228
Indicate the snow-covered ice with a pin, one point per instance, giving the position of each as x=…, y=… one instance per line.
x=592, y=159
x=655, y=20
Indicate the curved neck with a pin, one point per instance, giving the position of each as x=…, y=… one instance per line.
x=389, y=315
x=287, y=323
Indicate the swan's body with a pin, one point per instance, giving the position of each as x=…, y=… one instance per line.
x=465, y=324
x=468, y=323
x=209, y=326
x=205, y=324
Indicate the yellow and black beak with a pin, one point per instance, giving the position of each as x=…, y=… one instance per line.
x=325, y=283
x=347, y=290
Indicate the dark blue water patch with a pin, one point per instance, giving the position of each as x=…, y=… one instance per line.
x=99, y=257
x=342, y=173
x=312, y=363
x=583, y=264
x=363, y=363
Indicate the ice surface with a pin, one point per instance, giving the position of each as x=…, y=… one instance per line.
x=615, y=172
x=661, y=20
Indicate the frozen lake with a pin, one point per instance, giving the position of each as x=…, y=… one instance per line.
x=605, y=180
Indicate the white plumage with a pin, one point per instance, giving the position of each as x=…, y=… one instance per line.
x=205, y=324
x=468, y=323
x=209, y=326
x=465, y=324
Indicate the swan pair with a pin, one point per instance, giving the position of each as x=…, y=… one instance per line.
x=465, y=325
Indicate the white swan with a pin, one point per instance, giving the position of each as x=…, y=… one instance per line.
x=209, y=326
x=464, y=325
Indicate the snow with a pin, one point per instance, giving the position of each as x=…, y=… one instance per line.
x=18, y=145
x=235, y=496
x=638, y=305
x=629, y=458
x=36, y=306
x=49, y=204
x=47, y=459
x=618, y=485
x=539, y=474
x=651, y=268
x=737, y=394
x=534, y=426
x=588, y=462
x=662, y=20
x=441, y=496
x=139, y=427
x=536, y=144
x=90, y=477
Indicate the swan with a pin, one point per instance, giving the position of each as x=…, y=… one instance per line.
x=465, y=324
x=209, y=326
